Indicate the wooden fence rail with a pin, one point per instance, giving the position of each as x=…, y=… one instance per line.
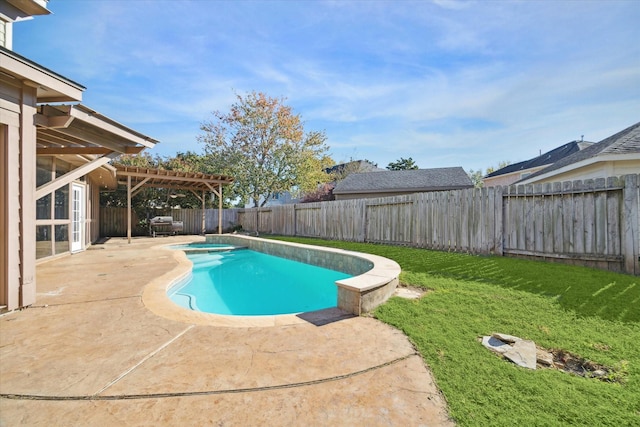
x=591, y=222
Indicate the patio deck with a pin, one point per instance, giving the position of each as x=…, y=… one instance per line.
x=91, y=353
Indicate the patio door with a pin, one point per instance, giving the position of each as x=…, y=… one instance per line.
x=77, y=217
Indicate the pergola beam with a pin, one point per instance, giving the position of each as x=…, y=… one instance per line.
x=135, y=190
x=176, y=177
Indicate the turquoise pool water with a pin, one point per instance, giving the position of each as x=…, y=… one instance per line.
x=250, y=283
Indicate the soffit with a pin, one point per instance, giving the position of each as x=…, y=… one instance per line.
x=30, y=7
x=50, y=86
x=78, y=130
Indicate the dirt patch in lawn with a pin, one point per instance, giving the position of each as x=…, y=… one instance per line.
x=568, y=362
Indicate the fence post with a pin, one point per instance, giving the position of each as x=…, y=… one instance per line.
x=363, y=232
x=498, y=208
x=630, y=237
x=295, y=220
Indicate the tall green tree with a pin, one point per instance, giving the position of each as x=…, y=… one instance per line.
x=501, y=164
x=476, y=177
x=402, y=164
x=262, y=143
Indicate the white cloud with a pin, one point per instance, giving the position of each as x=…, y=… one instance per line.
x=444, y=82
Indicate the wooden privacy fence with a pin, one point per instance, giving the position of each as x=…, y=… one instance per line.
x=595, y=221
x=591, y=222
x=113, y=221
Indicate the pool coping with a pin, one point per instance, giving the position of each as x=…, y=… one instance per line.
x=356, y=295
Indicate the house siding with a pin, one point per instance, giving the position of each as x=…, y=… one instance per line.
x=510, y=178
x=592, y=171
x=18, y=188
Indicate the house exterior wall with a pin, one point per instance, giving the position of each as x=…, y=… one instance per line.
x=600, y=169
x=17, y=108
x=509, y=178
x=31, y=228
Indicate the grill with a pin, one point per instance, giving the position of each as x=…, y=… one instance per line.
x=164, y=225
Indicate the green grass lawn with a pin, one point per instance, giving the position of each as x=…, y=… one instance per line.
x=591, y=313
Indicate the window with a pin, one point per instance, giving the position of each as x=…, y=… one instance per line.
x=61, y=238
x=52, y=210
x=43, y=207
x=4, y=37
x=43, y=241
x=62, y=203
x=44, y=167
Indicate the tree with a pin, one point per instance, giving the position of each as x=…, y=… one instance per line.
x=264, y=146
x=476, y=177
x=402, y=164
x=501, y=165
x=339, y=172
x=323, y=193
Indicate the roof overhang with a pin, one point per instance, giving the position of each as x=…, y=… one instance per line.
x=85, y=139
x=51, y=87
x=78, y=130
x=30, y=7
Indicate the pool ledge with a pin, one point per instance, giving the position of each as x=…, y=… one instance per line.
x=375, y=277
x=155, y=299
x=375, y=280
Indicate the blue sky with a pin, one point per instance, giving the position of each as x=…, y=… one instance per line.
x=447, y=83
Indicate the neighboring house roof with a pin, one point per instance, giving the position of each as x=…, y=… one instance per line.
x=624, y=142
x=415, y=180
x=547, y=158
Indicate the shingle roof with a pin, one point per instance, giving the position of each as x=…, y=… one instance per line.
x=623, y=142
x=405, y=180
x=547, y=158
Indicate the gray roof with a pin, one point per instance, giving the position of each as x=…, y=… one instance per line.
x=626, y=141
x=547, y=158
x=416, y=180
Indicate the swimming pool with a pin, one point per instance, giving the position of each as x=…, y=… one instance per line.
x=250, y=283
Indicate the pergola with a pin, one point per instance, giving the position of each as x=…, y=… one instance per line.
x=197, y=183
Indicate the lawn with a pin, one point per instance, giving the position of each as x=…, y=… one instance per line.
x=591, y=313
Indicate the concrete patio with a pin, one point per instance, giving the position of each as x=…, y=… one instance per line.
x=91, y=353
